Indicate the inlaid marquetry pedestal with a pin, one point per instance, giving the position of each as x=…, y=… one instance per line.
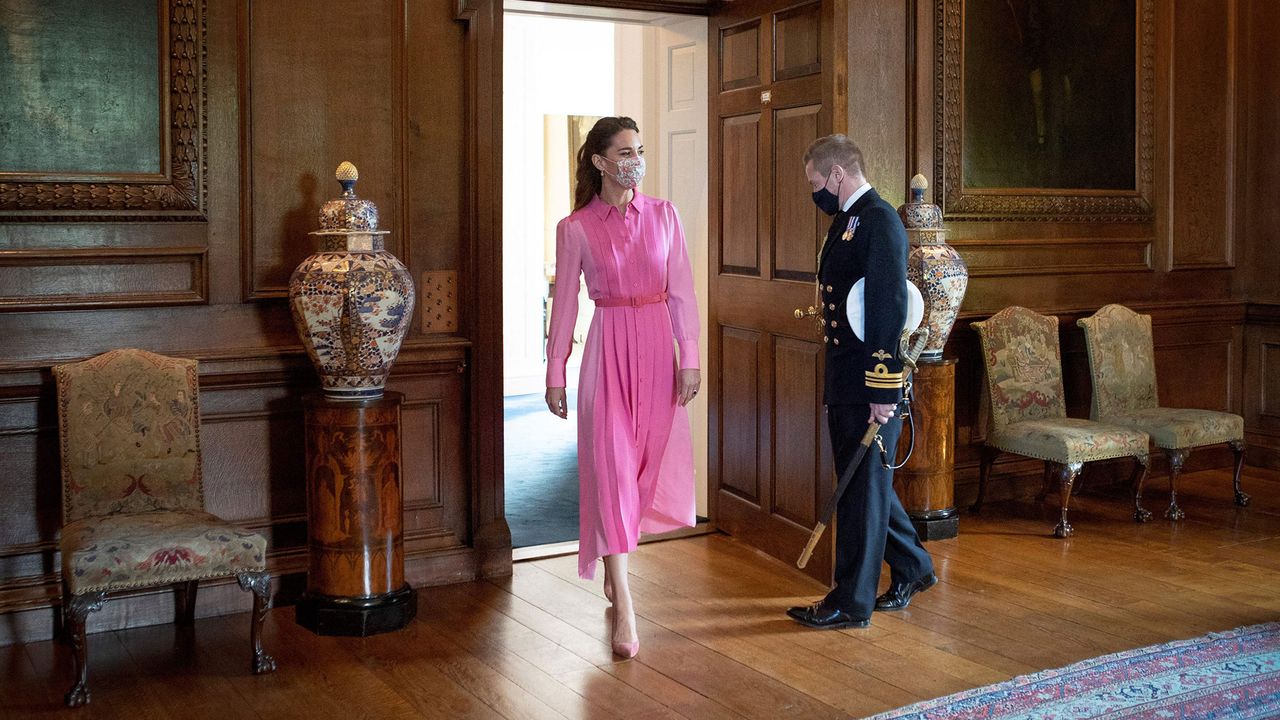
x=355, y=580
x=926, y=484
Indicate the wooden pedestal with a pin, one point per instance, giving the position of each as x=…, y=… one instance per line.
x=926, y=484
x=355, y=526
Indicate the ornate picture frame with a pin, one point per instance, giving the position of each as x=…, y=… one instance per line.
x=176, y=191
x=962, y=197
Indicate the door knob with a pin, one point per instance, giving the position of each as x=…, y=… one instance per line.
x=802, y=314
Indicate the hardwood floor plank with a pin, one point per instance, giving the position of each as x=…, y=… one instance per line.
x=715, y=643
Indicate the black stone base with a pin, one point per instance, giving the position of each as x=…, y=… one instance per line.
x=327, y=615
x=941, y=525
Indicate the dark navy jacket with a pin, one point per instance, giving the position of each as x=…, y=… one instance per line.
x=864, y=371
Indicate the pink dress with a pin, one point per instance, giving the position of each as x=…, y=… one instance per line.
x=635, y=456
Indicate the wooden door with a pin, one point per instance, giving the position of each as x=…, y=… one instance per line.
x=772, y=92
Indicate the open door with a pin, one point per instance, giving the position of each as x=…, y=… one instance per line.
x=772, y=92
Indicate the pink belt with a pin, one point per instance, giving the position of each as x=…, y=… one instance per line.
x=633, y=301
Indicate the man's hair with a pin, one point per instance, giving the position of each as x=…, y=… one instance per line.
x=834, y=150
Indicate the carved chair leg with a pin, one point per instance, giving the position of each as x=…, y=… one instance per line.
x=1237, y=447
x=1066, y=478
x=77, y=611
x=988, y=458
x=1176, y=456
x=1048, y=482
x=259, y=583
x=184, y=601
x=1141, y=465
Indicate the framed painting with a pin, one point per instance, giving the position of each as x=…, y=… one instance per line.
x=1044, y=109
x=104, y=109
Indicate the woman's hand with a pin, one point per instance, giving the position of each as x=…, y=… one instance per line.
x=557, y=402
x=687, y=383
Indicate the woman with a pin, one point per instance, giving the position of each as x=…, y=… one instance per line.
x=635, y=458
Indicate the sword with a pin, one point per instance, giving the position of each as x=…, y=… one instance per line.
x=908, y=352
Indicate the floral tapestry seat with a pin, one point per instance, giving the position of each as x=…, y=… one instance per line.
x=133, y=498
x=1122, y=366
x=1028, y=409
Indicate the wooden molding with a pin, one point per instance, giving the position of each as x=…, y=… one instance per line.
x=180, y=192
x=89, y=269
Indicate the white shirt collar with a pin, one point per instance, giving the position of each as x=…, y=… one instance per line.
x=854, y=197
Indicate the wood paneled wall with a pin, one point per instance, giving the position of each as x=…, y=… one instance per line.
x=1214, y=91
x=408, y=92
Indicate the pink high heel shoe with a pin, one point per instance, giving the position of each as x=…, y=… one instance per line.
x=626, y=650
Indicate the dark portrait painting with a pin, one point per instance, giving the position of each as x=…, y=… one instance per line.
x=1049, y=94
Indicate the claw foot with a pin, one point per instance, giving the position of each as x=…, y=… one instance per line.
x=1141, y=515
x=1242, y=499
x=1063, y=530
x=1174, y=513
x=264, y=664
x=78, y=695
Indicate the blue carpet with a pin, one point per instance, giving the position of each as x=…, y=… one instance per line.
x=541, y=455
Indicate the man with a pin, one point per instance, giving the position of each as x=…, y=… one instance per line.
x=864, y=380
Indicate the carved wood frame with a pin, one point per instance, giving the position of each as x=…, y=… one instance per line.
x=1035, y=204
x=178, y=192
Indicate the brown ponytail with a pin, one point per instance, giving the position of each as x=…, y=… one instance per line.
x=597, y=143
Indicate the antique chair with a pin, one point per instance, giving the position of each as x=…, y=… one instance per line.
x=133, y=500
x=1122, y=363
x=1028, y=411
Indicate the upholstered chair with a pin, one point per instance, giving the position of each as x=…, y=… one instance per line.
x=1028, y=409
x=1122, y=364
x=133, y=500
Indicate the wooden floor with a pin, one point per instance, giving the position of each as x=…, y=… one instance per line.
x=714, y=640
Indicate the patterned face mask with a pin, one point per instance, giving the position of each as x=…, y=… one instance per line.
x=630, y=171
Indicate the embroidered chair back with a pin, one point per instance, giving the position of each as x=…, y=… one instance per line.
x=1023, y=366
x=1121, y=361
x=129, y=426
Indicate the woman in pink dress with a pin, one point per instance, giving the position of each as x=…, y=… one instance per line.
x=635, y=456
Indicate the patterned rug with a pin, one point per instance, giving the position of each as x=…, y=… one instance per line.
x=1233, y=674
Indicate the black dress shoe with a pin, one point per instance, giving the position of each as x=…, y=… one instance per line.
x=899, y=595
x=822, y=617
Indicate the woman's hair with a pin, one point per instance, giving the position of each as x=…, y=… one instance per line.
x=598, y=141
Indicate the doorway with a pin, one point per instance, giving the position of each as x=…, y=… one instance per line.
x=564, y=67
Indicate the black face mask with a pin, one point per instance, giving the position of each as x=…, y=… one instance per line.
x=827, y=201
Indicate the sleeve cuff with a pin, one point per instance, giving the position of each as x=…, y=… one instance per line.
x=688, y=354
x=555, y=372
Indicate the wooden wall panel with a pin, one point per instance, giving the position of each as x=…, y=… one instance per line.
x=402, y=94
x=288, y=75
x=739, y=136
x=1203, y=133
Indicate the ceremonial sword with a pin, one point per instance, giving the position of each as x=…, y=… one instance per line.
x=908, y=352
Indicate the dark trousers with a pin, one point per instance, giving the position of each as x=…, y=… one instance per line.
x=871, y=526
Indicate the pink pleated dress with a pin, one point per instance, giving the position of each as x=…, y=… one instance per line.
x=635, y=456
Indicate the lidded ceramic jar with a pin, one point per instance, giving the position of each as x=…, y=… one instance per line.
x=352, y=300
x=934, y=267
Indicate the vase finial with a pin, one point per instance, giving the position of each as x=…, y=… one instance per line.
x=347, y=176
x=919, y=183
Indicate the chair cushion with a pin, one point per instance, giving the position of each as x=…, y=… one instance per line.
x=1069, y=440
x=127, y=550
x=1182, y=428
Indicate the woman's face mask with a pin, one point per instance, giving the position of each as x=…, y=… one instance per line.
x=630, y=170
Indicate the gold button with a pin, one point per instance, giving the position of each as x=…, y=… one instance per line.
x=828, y=288
x=825, y=339
x=831, y=306
x=833, y=323
x=836, y=341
